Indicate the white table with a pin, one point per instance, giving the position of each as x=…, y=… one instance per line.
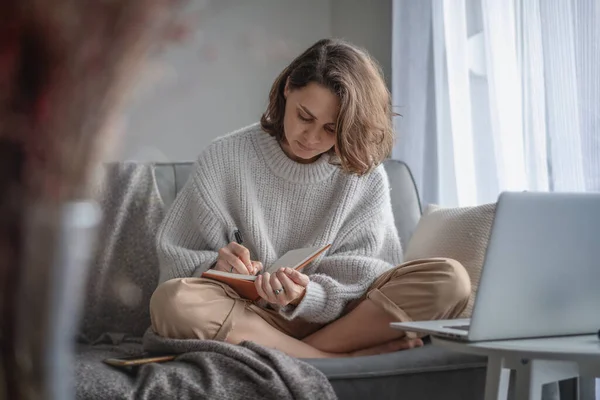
x=535, y=361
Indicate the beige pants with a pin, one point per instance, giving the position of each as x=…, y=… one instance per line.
x=427, y=289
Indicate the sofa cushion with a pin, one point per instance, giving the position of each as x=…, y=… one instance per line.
x=460, y=233
x=428, y=358
x=404, y=197
x=429, y=372
x=165, y=182
x=170, y=179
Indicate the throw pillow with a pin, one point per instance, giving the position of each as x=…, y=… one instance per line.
x=460, y=233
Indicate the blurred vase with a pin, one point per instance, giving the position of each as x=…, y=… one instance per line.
x=58, y=245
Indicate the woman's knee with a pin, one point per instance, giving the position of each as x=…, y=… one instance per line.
x=186, y=309
x=436, y=288
x=455, y=284
x=166, y=313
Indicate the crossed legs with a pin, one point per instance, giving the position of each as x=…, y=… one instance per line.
x=419, y=290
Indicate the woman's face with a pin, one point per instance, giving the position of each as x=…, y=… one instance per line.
x=309, y=122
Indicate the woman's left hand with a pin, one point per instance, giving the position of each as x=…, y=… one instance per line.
x=286, y=286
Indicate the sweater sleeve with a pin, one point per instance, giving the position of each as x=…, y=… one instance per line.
x=191, y=232
x=368, y=247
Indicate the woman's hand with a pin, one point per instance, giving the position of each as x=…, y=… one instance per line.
x=286, y=286
x=235, y=258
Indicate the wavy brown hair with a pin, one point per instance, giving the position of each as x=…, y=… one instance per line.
x=364, y=133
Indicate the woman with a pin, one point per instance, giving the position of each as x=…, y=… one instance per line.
x=309, y=174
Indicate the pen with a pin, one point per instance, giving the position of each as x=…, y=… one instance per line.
x=240, y=240
x=238, y=236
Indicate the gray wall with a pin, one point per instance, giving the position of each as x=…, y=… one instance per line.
x=219, y=79
x=367, y=24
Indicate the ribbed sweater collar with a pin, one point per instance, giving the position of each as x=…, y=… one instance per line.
x=284, y=167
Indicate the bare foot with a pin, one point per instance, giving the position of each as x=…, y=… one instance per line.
x=389, y=347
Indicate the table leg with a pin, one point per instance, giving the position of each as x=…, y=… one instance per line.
x=532, y=374
x=528, y=385
x=589, y=388
x=496, y=379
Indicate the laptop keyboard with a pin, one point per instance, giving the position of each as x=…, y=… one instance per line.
x=459, y=327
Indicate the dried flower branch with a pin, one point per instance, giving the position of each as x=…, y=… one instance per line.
x=66, y=69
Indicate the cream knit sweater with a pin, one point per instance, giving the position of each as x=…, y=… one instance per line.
x=245, y=181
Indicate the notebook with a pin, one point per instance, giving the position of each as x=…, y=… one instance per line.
x=244, y=284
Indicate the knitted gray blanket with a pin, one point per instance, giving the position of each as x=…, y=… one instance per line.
x=115, y=317
x=203, y=370
x=216, y=370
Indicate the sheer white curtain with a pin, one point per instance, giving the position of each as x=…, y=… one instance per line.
x=497, y=95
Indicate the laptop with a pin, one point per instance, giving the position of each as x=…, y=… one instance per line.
x=541, y=273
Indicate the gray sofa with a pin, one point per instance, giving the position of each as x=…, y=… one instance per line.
x=425, y=373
